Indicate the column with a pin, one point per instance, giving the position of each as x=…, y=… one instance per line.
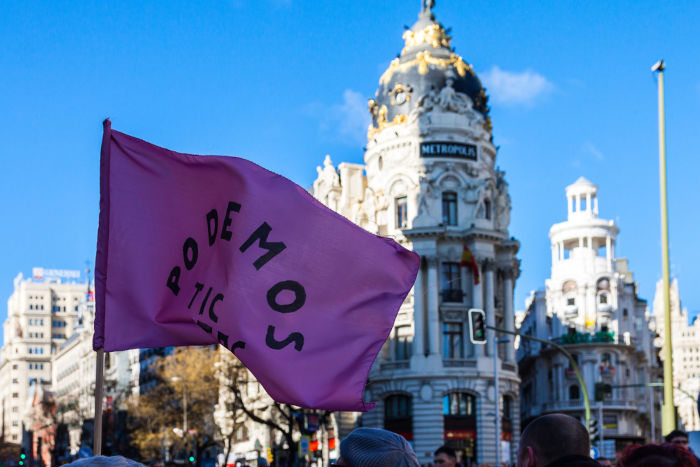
x=588, y=202
x=595, y=205
x=608, y=253
x=571, y=204
x=490, y=306
x=433, y=304
x=578, y=203
x=554, y=253
x=509, y=315
x=478, y=302
x=418, y=309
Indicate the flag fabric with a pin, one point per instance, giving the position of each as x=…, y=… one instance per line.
x=197, y=250
x=469, y=261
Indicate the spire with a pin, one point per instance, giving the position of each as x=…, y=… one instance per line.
x=427, y=7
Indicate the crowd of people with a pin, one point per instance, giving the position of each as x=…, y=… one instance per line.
x=553, y=440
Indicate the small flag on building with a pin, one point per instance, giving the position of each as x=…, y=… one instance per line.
x=469, y=261
x=196, y=250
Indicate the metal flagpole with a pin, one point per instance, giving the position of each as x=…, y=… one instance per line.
x=668, y=418
x=99, y=390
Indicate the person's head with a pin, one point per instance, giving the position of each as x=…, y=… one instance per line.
x=374, y=447
x=102, y=461
x=551, y=437
x=445, y=456
x=657, y=455
x=677, y=437
x=604, y=461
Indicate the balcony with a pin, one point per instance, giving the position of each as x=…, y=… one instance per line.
x=395, y=365
x=458, y=362
x=452, y=296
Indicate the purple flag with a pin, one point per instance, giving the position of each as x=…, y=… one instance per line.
x=196, y=250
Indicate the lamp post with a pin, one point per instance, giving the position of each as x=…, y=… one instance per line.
x=184, y=410
x=496, y=396
x=668, y=413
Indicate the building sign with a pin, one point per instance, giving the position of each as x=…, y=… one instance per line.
x=447, y=149
x=41, y=273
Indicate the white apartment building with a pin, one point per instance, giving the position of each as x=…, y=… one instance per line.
x=73, y=381
x=685, y=344
x=590, y=305
x=430, y=181
x=41, y=314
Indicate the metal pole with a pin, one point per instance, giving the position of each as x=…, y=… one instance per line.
x=574, y=365
x=668, y=420
x=184, y=398
x=652, y=409
x=495, y=392
x=601, y=438
x=99, y=390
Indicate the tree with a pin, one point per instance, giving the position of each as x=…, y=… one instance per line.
x=248, y=396
x=186, y=389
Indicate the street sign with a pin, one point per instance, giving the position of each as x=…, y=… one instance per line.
x=304, y=443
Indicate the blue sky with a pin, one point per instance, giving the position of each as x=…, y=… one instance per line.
x=285, y=82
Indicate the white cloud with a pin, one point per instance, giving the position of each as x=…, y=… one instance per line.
x=591, y=149
x=346, y=121
x=515, y=88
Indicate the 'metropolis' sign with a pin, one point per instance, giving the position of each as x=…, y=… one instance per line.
x=448, y=149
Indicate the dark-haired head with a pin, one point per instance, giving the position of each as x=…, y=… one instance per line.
x=657, y=455
x=551, y=437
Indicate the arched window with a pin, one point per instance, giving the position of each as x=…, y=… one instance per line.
x=507, y=420
x=574, y=392
x=398, y=415
x=459, y=416
x=449, y=208
x=459, y=403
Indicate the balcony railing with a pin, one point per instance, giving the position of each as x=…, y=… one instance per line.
x=452, y=295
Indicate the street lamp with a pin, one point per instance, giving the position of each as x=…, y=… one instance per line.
x=184, y=402
x=502, y=340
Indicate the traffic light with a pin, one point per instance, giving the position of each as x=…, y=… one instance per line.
x=22, y=456
x=602, y=390
x=477, y=326
x=593, y=430
x=191, y=458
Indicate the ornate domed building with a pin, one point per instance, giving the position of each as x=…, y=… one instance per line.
x=430, y=181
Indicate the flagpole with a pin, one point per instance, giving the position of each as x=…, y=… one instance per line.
x=668, y=413
x=99, y=390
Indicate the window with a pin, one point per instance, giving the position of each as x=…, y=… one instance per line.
x=571, y=301
x=459, y=403
x=15, y=423
x=574, y=392
x=403, y=340
x=452, y=340
x=603, y=299
x=451, y=283
x=15, y=381
x=241, y=433
x=15, y=409
x=15, y=395
x=14, y=366
x=487, y=209
x=401, y=212
x=398, y=415
x=449, y=208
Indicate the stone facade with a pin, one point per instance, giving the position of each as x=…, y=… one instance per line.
x=430, y=181
x=685, y=344
x=41, y=314
x=590, y=305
